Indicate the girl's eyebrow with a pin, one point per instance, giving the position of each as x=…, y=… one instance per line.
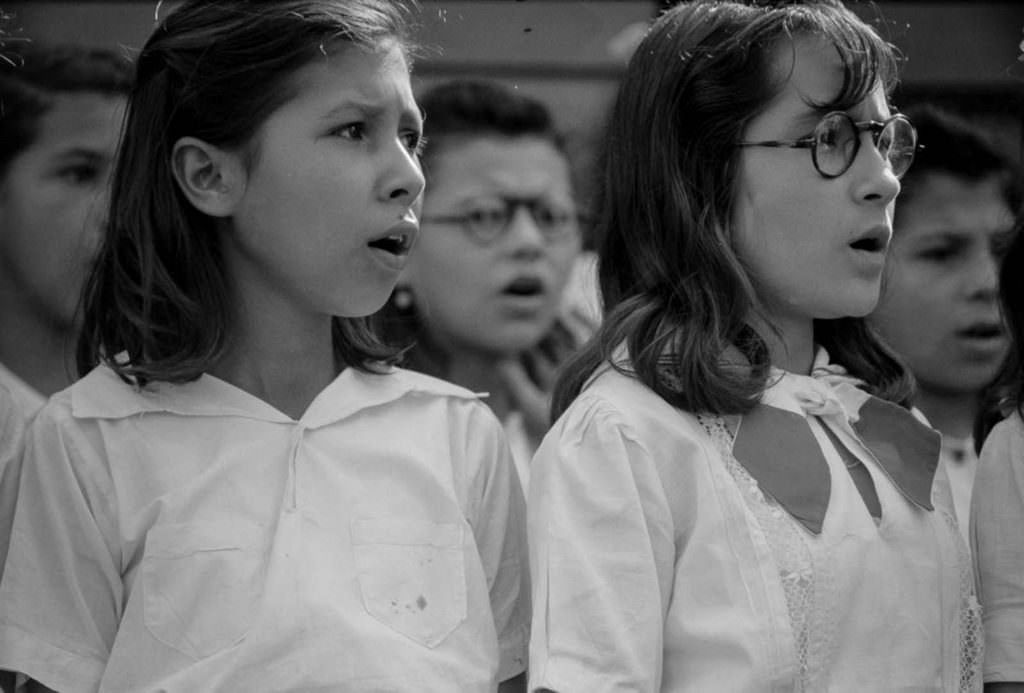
x=369, y=110
x=81, y=153
x=363, y=108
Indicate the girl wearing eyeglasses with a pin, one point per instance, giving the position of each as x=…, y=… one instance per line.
x=481, y=299
x=736, y=495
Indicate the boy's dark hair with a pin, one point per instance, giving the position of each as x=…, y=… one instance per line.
x=469, y=108
x=951, y=144
x=157, y=302
x=35, y=74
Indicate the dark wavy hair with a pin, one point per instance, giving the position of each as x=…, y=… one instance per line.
x=1006, y=394
x=950, y=143
x=156, y=304
x=674, y=291
x=469, y=108
x=1011, y=297
x=32, y=77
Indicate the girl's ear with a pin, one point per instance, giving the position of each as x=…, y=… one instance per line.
x=211, y=178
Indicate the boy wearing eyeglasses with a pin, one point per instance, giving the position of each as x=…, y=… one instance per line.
x=481, y=295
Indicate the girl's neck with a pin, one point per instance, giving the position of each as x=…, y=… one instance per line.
x=790, y=344
x=952, y=414
x=284, y=363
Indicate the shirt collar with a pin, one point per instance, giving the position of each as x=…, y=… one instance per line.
x=774, y=442
x=102, y=394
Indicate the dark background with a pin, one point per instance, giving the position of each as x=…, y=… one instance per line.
x=571, y=52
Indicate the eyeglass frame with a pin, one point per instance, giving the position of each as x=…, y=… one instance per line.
x=875, y=127
x=512, y=205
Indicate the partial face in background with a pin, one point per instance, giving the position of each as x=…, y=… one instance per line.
x=499, y=296
x=815, y=247
x=326, y=220
x=53, y=202
x=939, y=309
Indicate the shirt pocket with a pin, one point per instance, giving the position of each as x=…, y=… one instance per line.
x=200, y=583
x=411, y=575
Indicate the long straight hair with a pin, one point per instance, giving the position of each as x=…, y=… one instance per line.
x=156, y=306
x=1007, y=392
x=675, y=292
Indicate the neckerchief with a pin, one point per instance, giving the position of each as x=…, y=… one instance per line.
x=774, y=442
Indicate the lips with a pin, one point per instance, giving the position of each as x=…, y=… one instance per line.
x=874, y=240
x=524, y=286
x=982, y=331
x=396, y=244
x=398, y=240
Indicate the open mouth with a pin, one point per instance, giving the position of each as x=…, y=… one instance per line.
x=869, y=244
x=524, y=286
x=876, y=240
x=396, y=244
x=982, y=331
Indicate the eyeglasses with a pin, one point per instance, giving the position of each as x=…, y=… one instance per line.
x=487, y=222
x=835, y=143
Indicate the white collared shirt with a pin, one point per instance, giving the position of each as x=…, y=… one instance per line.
x=12, y=436
x=27, y=398
x=192, y=537
x=658, y=564
x=997, y=535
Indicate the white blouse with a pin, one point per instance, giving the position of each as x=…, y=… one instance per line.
x=659, y=564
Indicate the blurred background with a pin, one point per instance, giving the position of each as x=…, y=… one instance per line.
x=570, y=53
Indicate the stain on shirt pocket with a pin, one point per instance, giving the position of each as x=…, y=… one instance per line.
x=412, y=575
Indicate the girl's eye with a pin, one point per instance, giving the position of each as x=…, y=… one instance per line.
x=939, y=254
x=414, y=142
x=352, y=131
x=79, y=174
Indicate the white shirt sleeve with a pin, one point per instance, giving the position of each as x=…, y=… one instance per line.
x=601, y=556
x=997, y=538
x=61, y=594
x=12, y=444
x=498, y=517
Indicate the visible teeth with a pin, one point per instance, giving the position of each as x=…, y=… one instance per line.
x=393, y=244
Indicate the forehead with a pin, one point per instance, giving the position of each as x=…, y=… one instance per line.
x=344, y=71
x=944, y=203
x=88, y=121
x=811, y=73
x=471, y=165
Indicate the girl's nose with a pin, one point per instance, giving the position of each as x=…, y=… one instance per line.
x=875, y=182
x=405, y=180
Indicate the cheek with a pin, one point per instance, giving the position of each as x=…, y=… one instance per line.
x=905, y=318
x=446, y=270
x=562, y=259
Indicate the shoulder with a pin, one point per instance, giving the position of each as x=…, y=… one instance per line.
x=102, y=394
x=27, y=399
x=418, y=384
x=619, y=397
x=615, y=406
x=427, y=402
x=418, y=391
x=1006, y=439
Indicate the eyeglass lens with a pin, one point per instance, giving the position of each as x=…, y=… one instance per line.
x=491, y=222
x=837, y=142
